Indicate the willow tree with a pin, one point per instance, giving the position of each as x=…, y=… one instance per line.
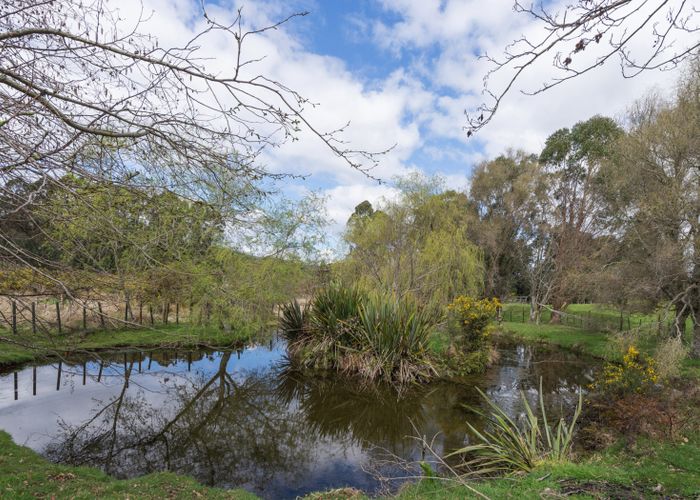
x=417, y=245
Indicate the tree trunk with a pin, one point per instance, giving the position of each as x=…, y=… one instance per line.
x=534, y=309
x=557, y=308
x=678, y=328
x=695, y=349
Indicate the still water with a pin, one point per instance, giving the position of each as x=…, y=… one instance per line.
x=246, y=419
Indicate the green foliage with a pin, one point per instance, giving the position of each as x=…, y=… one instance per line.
x=334, y=308
x=505, y=193
x=470, y=319
x=375, y=336
x=394, y=333
x=293, y=321
x=510, y=447
x=637, y=373
x=418, y=245
x=468, y=328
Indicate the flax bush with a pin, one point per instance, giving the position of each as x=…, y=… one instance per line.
x=374, y=336
x=506, y=446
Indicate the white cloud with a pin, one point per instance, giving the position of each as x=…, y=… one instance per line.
x=418, y=108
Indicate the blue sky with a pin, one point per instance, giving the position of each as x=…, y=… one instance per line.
x=402, y=72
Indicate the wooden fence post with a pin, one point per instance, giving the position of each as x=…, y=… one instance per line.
x=166, y=312
x=84, y=318
x=140, y=312
x=14, y=317
x=150, y=310
x=102, y=317
x=621, y=320
x=177, y=313
x=58, y=317
x=126, y=311
x=33, y=317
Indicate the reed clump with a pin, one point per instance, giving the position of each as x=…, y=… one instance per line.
x=376, y=336
x=506, y=445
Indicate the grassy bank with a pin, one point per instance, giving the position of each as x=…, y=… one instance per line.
x=25, y=474
x=592, y=343
x=644, y=470
x=23, y=348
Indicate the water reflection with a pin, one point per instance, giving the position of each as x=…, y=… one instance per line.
x=248, y=419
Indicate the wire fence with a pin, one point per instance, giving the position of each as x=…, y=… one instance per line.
x=46, y=314
x=592, y=321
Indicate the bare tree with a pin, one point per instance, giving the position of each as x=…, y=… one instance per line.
x=82, y=93
x=87, y=95
x=642, y=35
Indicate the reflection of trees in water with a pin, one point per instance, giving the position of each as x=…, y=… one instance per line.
x=522, y=367
x=275, y=427
x=376, y=416
x=217, y=429
x=368, y=413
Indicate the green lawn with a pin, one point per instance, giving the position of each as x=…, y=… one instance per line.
x=589, y=341
x=595, y=317
x=165, y=336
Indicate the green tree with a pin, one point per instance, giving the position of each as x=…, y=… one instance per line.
x=654, y=202
x=573, y=161
x=417, y=245
x=504, y=192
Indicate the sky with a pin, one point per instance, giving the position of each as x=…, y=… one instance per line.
x=402, y=72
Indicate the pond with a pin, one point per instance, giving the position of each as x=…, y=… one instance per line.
x=247, y=419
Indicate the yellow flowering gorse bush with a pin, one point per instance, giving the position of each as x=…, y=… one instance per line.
x=473, y=316
x=636, y=374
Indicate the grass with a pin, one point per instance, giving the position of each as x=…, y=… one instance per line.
x=25, y=474
x=629, y=472
x=164, y=336
x=597, y=317
x=592, y=342
x=645, y=470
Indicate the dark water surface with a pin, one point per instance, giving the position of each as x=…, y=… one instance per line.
x=245, y=419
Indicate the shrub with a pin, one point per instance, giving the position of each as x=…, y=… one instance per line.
x=469, y=320
x=506, y=446
x=468, y=326
x=636, y=374
x=374, y=336
x=333, y=307
x=293, y=321
x=394, y=333
x=669, y=357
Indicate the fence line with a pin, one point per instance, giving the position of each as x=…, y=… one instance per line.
x=48, y=314
x=589, y=321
